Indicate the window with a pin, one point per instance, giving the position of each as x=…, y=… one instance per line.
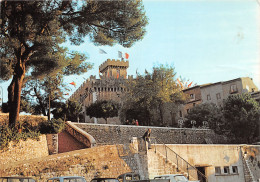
x=188, y=110
x=194, y=104
x=226, y=170
x=208, y=97
x=233, y=88
x=217, y=170
x=234, y=170
x=128, y=177
x=218, y=96
x=192, y=96
x=136, y=177
x=120, y=178
x=180, y=178
x=71, y=179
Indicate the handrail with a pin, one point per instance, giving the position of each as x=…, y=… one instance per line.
x=179, y=159
x=183, y=160
x=246, y=164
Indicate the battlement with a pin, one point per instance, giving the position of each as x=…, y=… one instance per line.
x=113, y=62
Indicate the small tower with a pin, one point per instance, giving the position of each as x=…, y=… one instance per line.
x=114, y=68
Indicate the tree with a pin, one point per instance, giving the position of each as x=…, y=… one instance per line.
x=69, y=111
x=31, y=34
x=135, y=112
x=102, y=109
x=153, y=90
x=208, y=112
x=44, y=94
x=242, y=118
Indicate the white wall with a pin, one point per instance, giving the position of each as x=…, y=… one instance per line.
x=208, y=156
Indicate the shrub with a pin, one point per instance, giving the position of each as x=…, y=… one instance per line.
x=52, y=126
x=7, y=135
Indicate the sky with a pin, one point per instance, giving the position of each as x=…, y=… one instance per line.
x=207, y=41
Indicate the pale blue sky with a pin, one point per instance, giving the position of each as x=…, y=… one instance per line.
x=205, y=40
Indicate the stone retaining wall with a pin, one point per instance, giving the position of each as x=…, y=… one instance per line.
x=119, y=134
x=80, y=135
x=104, y=161
x=24, y=150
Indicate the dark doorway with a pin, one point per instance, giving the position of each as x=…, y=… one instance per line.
x=202, y=170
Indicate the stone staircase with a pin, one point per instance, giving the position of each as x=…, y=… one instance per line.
x=182, y=166
x=249, y=177
x=175, y=167
x=172, y=164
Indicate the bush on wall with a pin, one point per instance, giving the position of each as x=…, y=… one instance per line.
x=28, y=129
x=7, y=135
x=52, y=126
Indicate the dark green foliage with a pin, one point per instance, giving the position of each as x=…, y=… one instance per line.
x=242, y=118
x=239, y=119
x=103, y=109
x=5, y=107
x=69, y=111
x=52, y=126
x=138, y=113
x=7, y=135
x=208, y=112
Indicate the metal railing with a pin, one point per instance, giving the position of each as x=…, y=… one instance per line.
x=170, y=156
x=181, y=164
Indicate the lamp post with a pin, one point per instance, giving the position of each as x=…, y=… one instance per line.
x=193, y=122
x=205, y=124
x=180, y=123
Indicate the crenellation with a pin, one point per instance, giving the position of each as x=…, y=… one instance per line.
x=113, y=62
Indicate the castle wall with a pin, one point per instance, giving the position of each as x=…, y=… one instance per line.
x=114, y=134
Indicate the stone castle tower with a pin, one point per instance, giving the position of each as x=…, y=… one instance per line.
x=114, y=68
x=110, y=86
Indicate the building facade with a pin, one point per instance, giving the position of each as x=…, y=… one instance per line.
x=193, y=98
x=217, y=92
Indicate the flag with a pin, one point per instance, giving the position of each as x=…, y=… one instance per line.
x=179, y=83
x=126, y=55
x=73, y=83
x=189, y=85
x=117, y=76
x=120, y=54
x=101, y=51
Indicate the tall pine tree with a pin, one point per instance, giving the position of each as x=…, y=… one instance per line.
x=31, y=33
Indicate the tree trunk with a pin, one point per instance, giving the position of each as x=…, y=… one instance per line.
x=14, y=94
x=49, y=109
x=161, y=112
x=40, y=101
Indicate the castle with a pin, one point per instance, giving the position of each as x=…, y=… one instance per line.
x=113, y=74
